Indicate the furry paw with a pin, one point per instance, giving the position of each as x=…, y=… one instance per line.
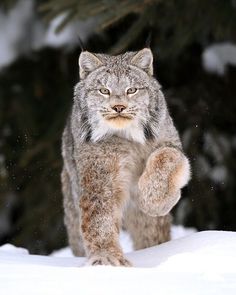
x=166, y=172
x=108, y=259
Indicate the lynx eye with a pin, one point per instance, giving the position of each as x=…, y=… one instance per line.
x=104, y=91
x=131, y=90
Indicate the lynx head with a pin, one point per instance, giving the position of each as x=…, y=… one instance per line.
x=117, y=95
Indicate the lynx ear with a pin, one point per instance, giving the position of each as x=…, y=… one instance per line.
x=88, y=62
x=144, y=60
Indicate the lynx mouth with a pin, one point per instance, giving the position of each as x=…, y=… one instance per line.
x=119, y=120
x=118, y=116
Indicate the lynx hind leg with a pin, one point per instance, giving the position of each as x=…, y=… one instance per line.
x=146, y=231
x=71, y=218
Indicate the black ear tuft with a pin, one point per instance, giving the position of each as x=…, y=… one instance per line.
x=148, y=40
x=81, y=44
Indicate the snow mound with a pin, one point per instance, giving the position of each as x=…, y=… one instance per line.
x=201, y=263
x=125, y=242
x=10, y=249
x=177, y=231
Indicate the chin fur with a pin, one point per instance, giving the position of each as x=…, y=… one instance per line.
x=121, y=127
x=119, y=122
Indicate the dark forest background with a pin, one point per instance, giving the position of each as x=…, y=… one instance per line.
x=36, y=93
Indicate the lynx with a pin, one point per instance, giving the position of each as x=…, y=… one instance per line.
x=123, y=159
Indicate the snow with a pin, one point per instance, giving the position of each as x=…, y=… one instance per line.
x=10, y=249
x=125, y=241
x=23, y=30
x=177, y=231
x=68, y=37
x=216, y=57
x=200, y=263
x=13, y=26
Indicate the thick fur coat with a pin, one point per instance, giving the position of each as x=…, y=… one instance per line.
x=123, y=159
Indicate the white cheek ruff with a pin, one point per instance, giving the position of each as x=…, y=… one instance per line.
x=133, y=131
x=100, y=131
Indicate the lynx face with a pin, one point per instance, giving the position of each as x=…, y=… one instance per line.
x=117, y=93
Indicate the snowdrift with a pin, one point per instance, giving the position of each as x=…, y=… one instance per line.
x=201, y=263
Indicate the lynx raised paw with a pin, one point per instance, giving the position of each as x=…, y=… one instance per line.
x=166, y=172
x=108, y=259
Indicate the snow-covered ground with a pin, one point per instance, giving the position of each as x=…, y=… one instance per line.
x=200, y=263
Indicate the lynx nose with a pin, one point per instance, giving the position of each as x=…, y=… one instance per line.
x=119, y=108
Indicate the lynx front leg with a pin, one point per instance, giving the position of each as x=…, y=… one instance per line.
x=101, y=206
x=167, y=171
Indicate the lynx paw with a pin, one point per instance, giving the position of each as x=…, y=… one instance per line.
x=108, y=259
x=166, y=172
